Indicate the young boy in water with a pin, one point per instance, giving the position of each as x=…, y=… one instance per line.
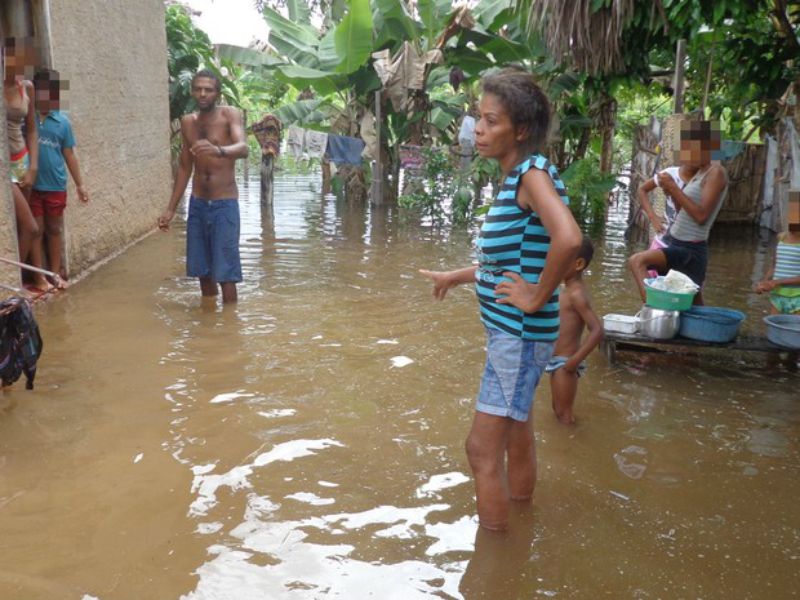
x=575, y=312
x=56, y=156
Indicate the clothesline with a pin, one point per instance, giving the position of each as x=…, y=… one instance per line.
x=339, y=149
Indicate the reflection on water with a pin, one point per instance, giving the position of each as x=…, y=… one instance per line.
x=307, y=443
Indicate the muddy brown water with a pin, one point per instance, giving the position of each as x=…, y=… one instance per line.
x=308, y=443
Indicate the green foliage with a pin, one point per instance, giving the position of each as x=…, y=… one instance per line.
x=462, y=205
x=588, y=189
x=188, y=51
x=753, y=64
x=435, y=189
x=353, y=36
x=449, y=192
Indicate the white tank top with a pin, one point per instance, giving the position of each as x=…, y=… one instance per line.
x=685, y=228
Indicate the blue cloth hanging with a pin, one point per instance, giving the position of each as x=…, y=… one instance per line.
x=344, y=150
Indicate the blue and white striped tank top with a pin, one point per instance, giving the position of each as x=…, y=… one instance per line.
x=514, y=239
x=787, y=266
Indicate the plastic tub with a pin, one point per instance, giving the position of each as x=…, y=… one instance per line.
x=784, y=330
x=614, y=323
x=666, y=300
x=710, y=324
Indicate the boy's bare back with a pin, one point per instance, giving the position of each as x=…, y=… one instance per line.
x=574, y=302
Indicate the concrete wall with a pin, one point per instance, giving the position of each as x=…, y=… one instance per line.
x=8, y=238
x=114, y=54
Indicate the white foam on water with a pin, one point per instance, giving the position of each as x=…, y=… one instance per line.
x=310, y=498
x=441, y=482
x=230, y=396
x=401, y=361
x=277, y=412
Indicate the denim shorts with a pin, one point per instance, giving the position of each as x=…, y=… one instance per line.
x=559, y=361
x=513, y=369
x=212, y=240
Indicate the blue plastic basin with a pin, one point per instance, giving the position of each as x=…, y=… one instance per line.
x=784, y=330
x=710, y=324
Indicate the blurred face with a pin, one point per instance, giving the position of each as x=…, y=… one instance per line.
x=205, y=94
x=495, y=134
x=19, y=59
x=794, y=211
x=699, y=143
x=693, y=154
x=48, y=95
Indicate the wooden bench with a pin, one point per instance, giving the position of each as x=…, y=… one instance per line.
x=614, y=342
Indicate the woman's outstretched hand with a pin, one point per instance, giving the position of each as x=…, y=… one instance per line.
x=442, y=281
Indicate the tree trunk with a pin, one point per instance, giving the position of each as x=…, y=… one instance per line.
x=608, y=116
x=267, y=175
x=583, y=144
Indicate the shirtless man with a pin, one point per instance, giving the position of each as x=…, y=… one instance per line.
x=576, y=314
x=213, y=138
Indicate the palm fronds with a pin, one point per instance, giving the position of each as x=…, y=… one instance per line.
x=586, y=34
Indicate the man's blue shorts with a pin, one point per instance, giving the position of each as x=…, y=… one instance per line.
x=513, y=369
x=212, y=240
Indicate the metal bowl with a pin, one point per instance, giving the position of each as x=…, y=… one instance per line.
x=658, y=323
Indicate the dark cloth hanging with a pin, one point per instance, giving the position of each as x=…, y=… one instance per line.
x=20, y=342
x=344, y=150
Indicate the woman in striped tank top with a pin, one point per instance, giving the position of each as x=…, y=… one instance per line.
x=782, y=282
x=527, y=242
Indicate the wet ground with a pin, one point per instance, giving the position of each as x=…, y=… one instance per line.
x=307, y=443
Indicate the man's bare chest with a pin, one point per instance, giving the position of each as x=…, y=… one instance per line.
x=216, y=130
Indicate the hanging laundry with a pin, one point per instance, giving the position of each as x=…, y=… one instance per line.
x=411, y=157
x=294, y=141
x=315, y=143
x=344, y=150
x=403, y=72
x=466, y=135
x=369, y=134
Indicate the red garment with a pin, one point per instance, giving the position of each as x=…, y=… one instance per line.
x=50, y=204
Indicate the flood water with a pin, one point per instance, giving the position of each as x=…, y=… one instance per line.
x=308, y=442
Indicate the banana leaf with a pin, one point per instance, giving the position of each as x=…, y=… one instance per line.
x=297, y=42
x=299, y=11
x=246, y=56
x=434, y=14
x=353, y=37
x=301, y=77
x=493, y=14
x=304, y=112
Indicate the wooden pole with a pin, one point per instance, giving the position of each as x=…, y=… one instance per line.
x=678, y=87
x=246, y=160
x=28, y=267
x=708, y=84
x=377, y=172
x=267, y=177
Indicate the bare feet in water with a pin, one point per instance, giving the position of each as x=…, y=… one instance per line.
x=40, y=285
